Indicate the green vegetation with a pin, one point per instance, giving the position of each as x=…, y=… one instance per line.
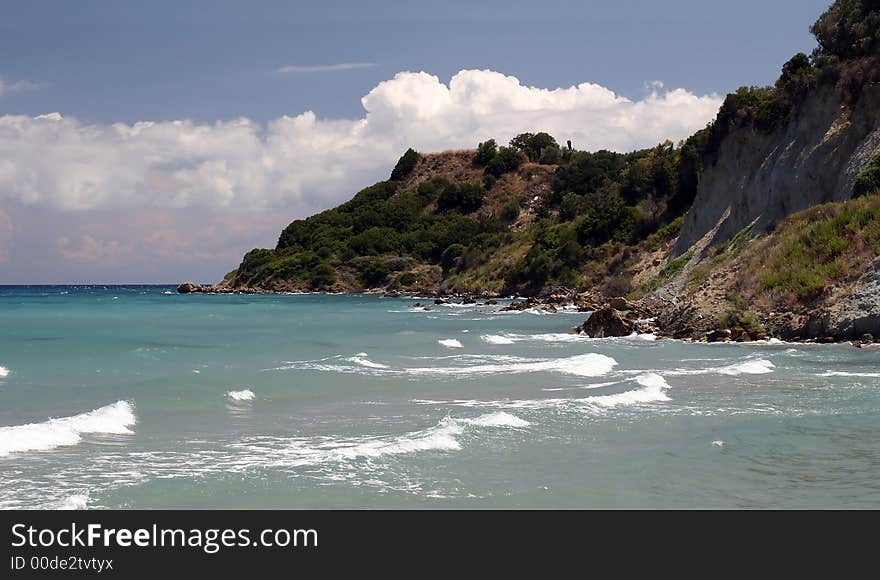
x=820, y=246
x=405, y=165
x=849, y=29
x=407, y=279
x=674, y=267
x=745, y=319
x=534, y=145
x=867, y=182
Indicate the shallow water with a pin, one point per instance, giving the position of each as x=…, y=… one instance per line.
x=136, y=397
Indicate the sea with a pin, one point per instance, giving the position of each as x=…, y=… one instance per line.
x=136, y=397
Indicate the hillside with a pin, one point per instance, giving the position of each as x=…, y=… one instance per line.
x=765, y=220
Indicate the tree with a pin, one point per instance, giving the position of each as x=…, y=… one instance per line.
x=405, y=165
x=797, y=78
x=374, y=272
x=849, y=29
x=508, y=159
x=464, y=197
x=486, y=152
x=532, y=144
x=450, y=256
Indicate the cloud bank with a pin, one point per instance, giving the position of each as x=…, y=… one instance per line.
x=303, y=163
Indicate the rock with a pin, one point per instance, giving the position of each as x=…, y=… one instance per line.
x=620, y=303
x=189, y=288
x=491, y=302
x=468, y=300
x=392, y=294
x=439, y=301
x=722, y=335
x=605, y=322
x=683, y=333
x=867, y=337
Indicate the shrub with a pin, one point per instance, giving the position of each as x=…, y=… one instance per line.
x=407, y=279
x=464, y=197
x=376, y=241
x=743, y=319
x=868, y=180
x=508, y=159
x=510, y=211
x=322, y=276
x=486, y=152
x=405, y=165
x=617, y=286
x=374, y=272
x=450, y=256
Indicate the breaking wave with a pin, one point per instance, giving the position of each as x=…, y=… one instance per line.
x=242, y=395
x=496, y=339
x=450, y=343
x=117, y=418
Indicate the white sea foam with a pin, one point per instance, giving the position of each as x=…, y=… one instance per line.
x=847, y=374
x=582, y=365
x=4, y=372
x=441, y=437
x=749, y=367
x=450, y=343
x=242, y=395
x=117, y=418
x=361, y=359
x=653, y=390
x=167, y=292
x=718, y=443
x=74, y=502
x=497, y=419
x=496, y=339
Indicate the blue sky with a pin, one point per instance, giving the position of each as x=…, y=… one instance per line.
x=126, y=61
x=103, y=62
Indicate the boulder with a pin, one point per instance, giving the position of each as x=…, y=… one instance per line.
x=604, y=323
x=189, y=287
x=620, y=304
x=720, y=335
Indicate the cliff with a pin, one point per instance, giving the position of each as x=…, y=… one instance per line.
x=759, y=179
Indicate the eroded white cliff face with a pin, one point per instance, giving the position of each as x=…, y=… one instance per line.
x=763, y=178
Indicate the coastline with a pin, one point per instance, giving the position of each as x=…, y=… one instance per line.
x=617, y=316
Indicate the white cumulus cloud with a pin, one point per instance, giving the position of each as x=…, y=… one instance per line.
x=304, y=163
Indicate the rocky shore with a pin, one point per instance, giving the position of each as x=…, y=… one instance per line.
x=664, y=318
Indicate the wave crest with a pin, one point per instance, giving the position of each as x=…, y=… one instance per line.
x=115, y=419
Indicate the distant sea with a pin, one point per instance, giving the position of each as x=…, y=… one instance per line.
x=137, y=397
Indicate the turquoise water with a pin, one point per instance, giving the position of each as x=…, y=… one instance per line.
x=119, y=397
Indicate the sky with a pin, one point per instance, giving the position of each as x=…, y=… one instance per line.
x=159, y=141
